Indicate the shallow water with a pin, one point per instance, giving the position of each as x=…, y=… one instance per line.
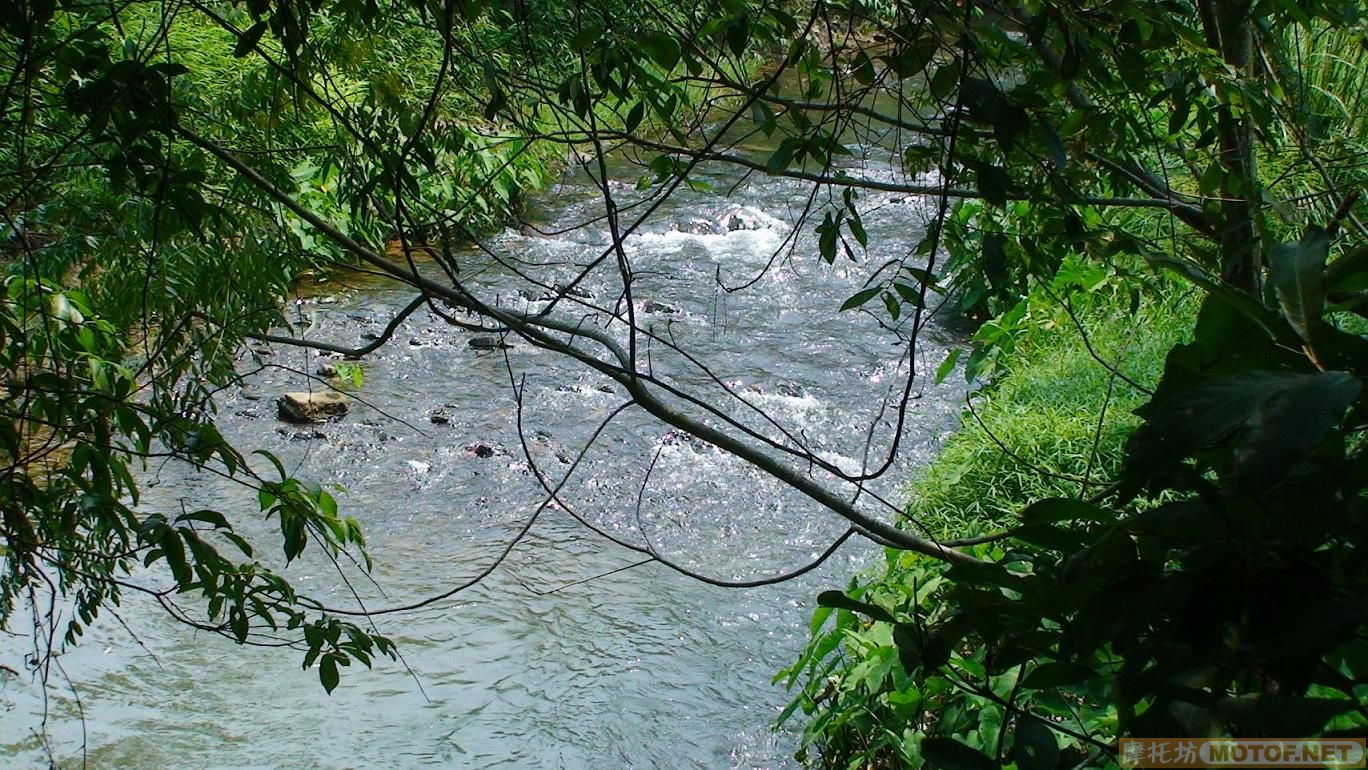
x=531, y=669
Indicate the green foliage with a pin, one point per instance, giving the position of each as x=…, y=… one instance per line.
x=75, y=423
x=1075, y=153
x=137, y=267
x=1201, y=584
x=901, y=689
x=1215, y=592
x=134, y=271
x=1033, y=434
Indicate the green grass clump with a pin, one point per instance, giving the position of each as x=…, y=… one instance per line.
x=1054, y=416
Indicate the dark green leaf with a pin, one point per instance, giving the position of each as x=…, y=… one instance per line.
x=950, y=754
x=587, y=36
x=946, y=79
x=1280, y=715
x=327, y=673
x=1058, y=674
x=781, y=157
x=863, y=69
x=948, y=365
x=1058, y=155
x=861, y=297
x=1051, y=538
x=1349, y=273
x=208, y=517
x=913, y=57
x=992, y=184
x=891, y=305
x=249, y=39
x=840, y=601
x=910, y=294
x=1057, y=509
x=634, y=116
x=857, y=229
x=738, y=35
x=763, y=117
x=1298, y=272
x=662, y=49
x=1183, y=521
x=1034, y=746
x=995, y=260
x=1273, y=419
x=1210, y=182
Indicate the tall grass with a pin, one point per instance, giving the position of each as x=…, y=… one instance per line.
x=1323, y=71
x=1056, y=417
x=1330, y=79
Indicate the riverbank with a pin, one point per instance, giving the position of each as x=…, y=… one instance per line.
x=1052, y=423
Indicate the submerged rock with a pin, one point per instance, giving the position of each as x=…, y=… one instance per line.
x=701, y=227
x=488, y=343
x=571, y=291
x=740, y=219
x=301, y=435
x=302, y=407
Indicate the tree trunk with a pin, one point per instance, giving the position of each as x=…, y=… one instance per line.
x=1228, y=30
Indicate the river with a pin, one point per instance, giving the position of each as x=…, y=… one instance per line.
x=640, y=668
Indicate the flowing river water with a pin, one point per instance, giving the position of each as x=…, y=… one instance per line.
x=641, y=668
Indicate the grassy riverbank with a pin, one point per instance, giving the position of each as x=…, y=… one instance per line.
x=1035, y=431
x=1052, y=423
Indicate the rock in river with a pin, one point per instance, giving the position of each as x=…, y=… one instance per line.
x=488, y=343
x=302, y=407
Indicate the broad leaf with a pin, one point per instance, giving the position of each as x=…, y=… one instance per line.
x=841, y=601
x=1034, y=747
x=1299, y=278
x=249, y=39
x=860, y=297
x=662, y=48
x=950, y=754
x=1056, y=509
x=1272, y=420
x=992, y=184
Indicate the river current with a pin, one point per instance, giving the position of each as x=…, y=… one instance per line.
x=555, y=660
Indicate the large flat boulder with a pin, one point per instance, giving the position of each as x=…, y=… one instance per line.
x=302, y=407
